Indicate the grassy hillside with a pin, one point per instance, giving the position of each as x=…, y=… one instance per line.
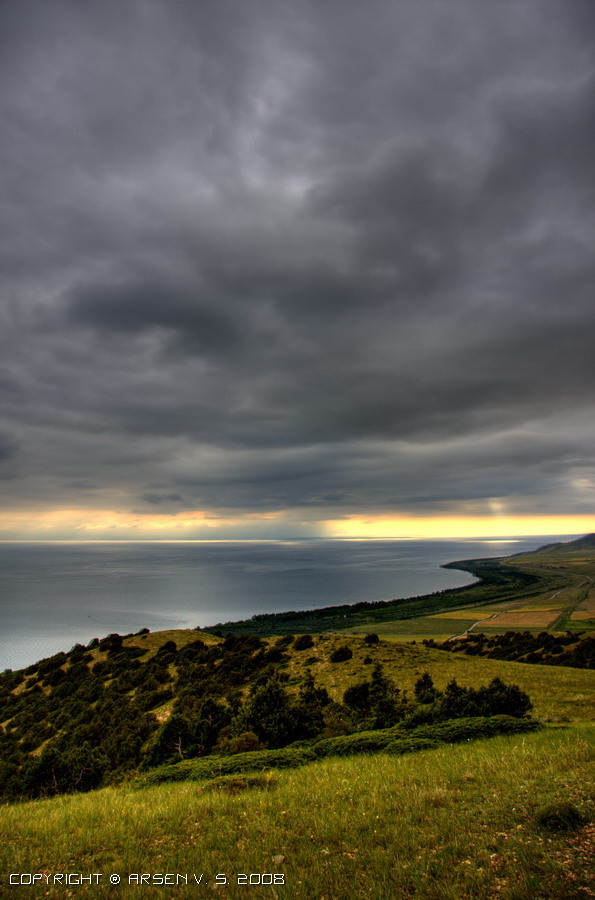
x=93, y=716
x=445, y=824
x=555, y=691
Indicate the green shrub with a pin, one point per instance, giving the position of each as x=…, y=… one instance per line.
x=285, y=640
x=245, y=742
x=559, y=816
x=213, y=767
x=303, y=642
x=410, y=745
x=424, y=689
x=352, y=744
x=341, y=654
x=471, y=728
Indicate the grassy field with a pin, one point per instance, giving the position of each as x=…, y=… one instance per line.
x=444, y=824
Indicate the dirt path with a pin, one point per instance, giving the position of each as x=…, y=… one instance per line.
x=471, y=627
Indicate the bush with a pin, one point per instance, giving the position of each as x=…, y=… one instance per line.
x=371, y=639
x=303, y=642
x=111, y=644
x=411, y=745
x=357, y=697
x=474, y=727
x=377, y=700
x=213, y=767
x=246, y=742
x=353, y=744
x=341, y=654
x=285, y=640
x=424, y=690
x=559, y=816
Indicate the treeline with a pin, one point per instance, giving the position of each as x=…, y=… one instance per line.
x=496, y=583
x=74, y=721
x=570, y=649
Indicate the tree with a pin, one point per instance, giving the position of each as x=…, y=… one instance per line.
x=387, y=707
x=268, y=714
x=424, y=689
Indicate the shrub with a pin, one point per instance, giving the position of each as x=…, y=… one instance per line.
x=233, y=784
x=411, y=745
x=246, y=742
x=474, y=727
x=357, y=696
x=424, y=689
x=303, y=642
x=213, y=767
x=372, y=639
x=341, y=654
x=112, y=643
x=285, y=640
x=559, y=816
x=352, y=744
x=275, y=718
x=378, y=700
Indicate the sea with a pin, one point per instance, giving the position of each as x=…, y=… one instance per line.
x=53, y=595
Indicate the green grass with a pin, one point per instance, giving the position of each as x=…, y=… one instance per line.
x=422, y=627
x=444, y=824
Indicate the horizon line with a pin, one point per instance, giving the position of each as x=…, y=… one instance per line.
x=481, y=538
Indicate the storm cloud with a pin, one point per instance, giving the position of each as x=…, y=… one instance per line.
x=333, y=258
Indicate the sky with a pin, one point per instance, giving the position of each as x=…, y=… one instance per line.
x=296, y=269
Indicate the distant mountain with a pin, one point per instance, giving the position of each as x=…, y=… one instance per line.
x=583, y=543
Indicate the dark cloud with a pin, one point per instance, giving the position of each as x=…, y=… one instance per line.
x=132, y=308
x=8, y=447
x=155, y=499
x=310, y=256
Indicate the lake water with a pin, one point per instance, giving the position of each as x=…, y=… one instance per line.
x=55, y=595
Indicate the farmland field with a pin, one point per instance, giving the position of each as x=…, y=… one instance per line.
x=563, y=599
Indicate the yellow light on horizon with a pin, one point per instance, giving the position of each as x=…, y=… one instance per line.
x=100, y=524
x=85, y=524
x=391, y=527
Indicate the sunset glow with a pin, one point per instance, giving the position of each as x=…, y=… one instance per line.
x=99, y=524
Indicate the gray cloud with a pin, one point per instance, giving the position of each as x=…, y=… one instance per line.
x=313, y=256
x=8, y=447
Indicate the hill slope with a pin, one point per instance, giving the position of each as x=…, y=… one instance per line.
x=448, y=823
x=77, y=720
